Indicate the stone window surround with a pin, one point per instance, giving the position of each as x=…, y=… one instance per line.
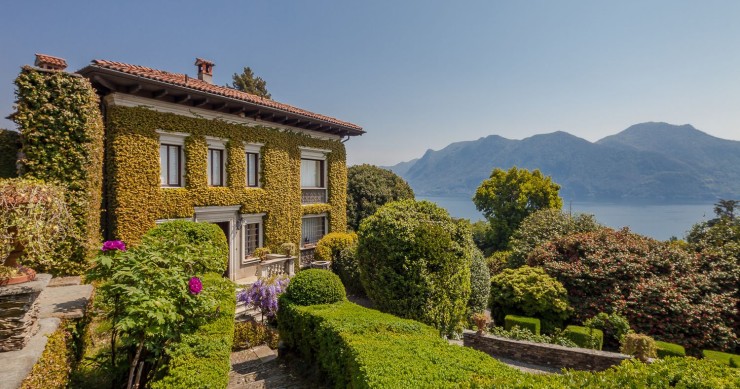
x=218, y=144
x=175, y=139
x=255, y=148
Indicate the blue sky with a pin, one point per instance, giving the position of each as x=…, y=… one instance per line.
x=421, y=74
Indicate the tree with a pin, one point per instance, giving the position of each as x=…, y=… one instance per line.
x=507, y=197
x=368, y=188
x=248, y=82
x=725, y=209
x=543, y=226
x=415, y=263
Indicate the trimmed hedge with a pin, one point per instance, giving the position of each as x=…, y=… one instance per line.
x=665, y=349
x=206, y=239
x=9, y=146
x=61, y=128
x=201, y=359
x=720, y=356
x=53, y=368
x=315, y=286
x=362, y=348
x=530, y=323
x=585, y=337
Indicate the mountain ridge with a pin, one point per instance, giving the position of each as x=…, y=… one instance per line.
x=653, y=162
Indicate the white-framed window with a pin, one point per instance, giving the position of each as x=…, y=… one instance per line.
x=171, y=159
x=313, y=175
x=313, y=228
x=252, y=233
x=252, y=153
x=216, y=161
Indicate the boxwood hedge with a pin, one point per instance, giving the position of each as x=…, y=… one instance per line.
x=358, y=347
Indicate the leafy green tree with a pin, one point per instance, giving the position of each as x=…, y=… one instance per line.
x=415, y=263
x=248, y=82
x=726, y=209
x=507, y=197
x=368, y=188
x=543, y=226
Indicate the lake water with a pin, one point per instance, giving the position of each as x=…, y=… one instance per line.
x=659, y=221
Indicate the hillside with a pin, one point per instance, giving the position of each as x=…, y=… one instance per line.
x=646, y=162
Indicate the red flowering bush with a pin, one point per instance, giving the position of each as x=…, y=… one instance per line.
x=659, y=287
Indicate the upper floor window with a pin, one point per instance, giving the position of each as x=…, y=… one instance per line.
x=171, y=159
x=216, y=162
x=313, y=176
x=252, y=152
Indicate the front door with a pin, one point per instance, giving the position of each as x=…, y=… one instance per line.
x=226, y=219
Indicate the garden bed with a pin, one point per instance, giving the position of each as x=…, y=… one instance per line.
x=543, y=354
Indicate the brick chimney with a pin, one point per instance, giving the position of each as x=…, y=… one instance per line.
x=205, y=70
x=48, y=62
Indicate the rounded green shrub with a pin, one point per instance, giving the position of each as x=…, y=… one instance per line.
x=415, y=263
x=207, y=242
x=529, y=291
x=614, y=326
x=329, y=247
x=315, y=286
x=480, y=283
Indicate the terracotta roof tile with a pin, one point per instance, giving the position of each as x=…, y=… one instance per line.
x=194, y=83
x=43, y=60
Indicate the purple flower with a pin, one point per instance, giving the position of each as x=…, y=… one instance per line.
x=195, y=285
x=263, y=294
x=110, y=245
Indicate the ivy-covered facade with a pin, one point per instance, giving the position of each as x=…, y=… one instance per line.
x=182, y=148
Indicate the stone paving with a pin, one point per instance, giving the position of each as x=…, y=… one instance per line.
x=259, y=368
x=62, y=299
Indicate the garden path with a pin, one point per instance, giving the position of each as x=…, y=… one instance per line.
x=259, y=368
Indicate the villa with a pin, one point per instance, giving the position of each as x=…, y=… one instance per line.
x=181, y=147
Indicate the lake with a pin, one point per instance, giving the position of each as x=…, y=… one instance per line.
x=659, y=221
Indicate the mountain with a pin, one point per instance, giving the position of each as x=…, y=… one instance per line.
x=652, y=162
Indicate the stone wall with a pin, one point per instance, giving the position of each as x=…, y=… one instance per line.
x=19, y=312
x=543, y=354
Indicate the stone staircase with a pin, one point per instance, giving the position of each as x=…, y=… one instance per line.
x=259, y=368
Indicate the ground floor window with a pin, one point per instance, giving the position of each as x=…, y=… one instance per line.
x=313, y=228
x=252, y=235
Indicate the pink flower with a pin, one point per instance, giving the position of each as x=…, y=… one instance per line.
x=195, y=285
x=110, y=245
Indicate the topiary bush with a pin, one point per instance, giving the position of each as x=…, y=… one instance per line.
x=543, y=226
x=206, y=240
x=614, y=326
x=665, y=349
x=347, y=268
x=660, y=288
x=480, y=284
x=368, y=188
x=531, y=324
x=415, y=263
x=529, y=291
x=585, y=337
x=640, y=345
x=314, y=286
x=329, y=247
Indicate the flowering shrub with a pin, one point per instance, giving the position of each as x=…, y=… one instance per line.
x=151, y=297
x=111, y=245
x=264, y=293
x=658, y=287
x=195, y=285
